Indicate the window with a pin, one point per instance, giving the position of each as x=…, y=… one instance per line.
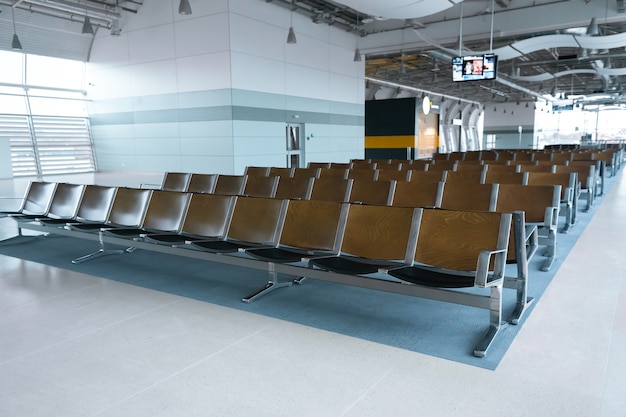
x=43, y=113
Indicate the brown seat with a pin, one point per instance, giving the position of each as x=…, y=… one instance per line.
x=95, y=205
x=255, y=222
x=540, y=204
x=202, y=183
x=464, y=177
x=334, y=173
x=256, y=170
x=63, y=205
x=230, y=184
x=363, y=164
x=311, y=229
x=587, y=178
x=462, y=249
x=569, y=191
x=281, y=172
x=258, y=186
x=393, y=174
x=332, y=189
x=295, y=188
x=176, y=181
x=384, y=243
x=369, y=191
x=127, y=211
x=496, y=177
x=366, y=174
x=36, y=200
x=306, y=172
x=207, y=217
x=423, y=177
x=468, y=196
x=415, y=194
x=165, y=213
x=318, y=165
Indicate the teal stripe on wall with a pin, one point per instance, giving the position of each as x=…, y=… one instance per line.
x=165, y=109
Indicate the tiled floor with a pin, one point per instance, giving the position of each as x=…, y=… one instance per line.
x=78, y=345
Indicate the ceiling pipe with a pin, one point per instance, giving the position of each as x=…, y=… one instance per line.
x=97, y=15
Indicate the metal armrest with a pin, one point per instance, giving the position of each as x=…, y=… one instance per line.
x=551, y=218
x=483, y=279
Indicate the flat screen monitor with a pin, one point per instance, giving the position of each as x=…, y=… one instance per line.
x=474, y=67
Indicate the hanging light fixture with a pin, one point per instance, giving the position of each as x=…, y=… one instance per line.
x=184, y=7
x=357, y=52
x=87, y=28
x=16, y=45
x=593, y=29
x=291, y=36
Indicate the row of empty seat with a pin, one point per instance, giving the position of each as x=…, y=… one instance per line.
x=427, y=248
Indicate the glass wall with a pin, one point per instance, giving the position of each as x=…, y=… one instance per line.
x=43, y=114
x=578, y=126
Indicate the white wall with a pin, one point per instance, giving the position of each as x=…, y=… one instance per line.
x=505, y=119
x=213, y=91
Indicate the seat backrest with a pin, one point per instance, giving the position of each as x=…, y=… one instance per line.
x=567, y=180
x=202, y=183
x=415, y=194
x=96, y=203
x=166, y=211
x=522, y=156
x=281, y=172
x=393, y=174
x=176, y=181
x=306, y=172
x=415, y=164
x=38, y=198
x=559, y=157
x=230, y=184
x=334, y=173
x=469, y=166
x=464, y=177
x=332, y=189
x=533, y=200
x=318, y=165
x=496, y=177
x=340, y=165
x=442, y=165
x=423, y=177
x=387, y=235
x=542, y=156
x=295, y=188
x=65, y=201
x=536, y=168
x=129, y=207
x=369, y=191
x=253, y=170
x=468, y=196
x=258, y=186
x=257, y=220
x=363, y=164
x=314, y=225
x=586, y=173
x=208, y=215
x=359, y=173
x=500, y=168
x=453, y=239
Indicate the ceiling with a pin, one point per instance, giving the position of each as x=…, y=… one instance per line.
x=547, y=49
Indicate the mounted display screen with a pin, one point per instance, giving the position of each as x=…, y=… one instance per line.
x=474, y=67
